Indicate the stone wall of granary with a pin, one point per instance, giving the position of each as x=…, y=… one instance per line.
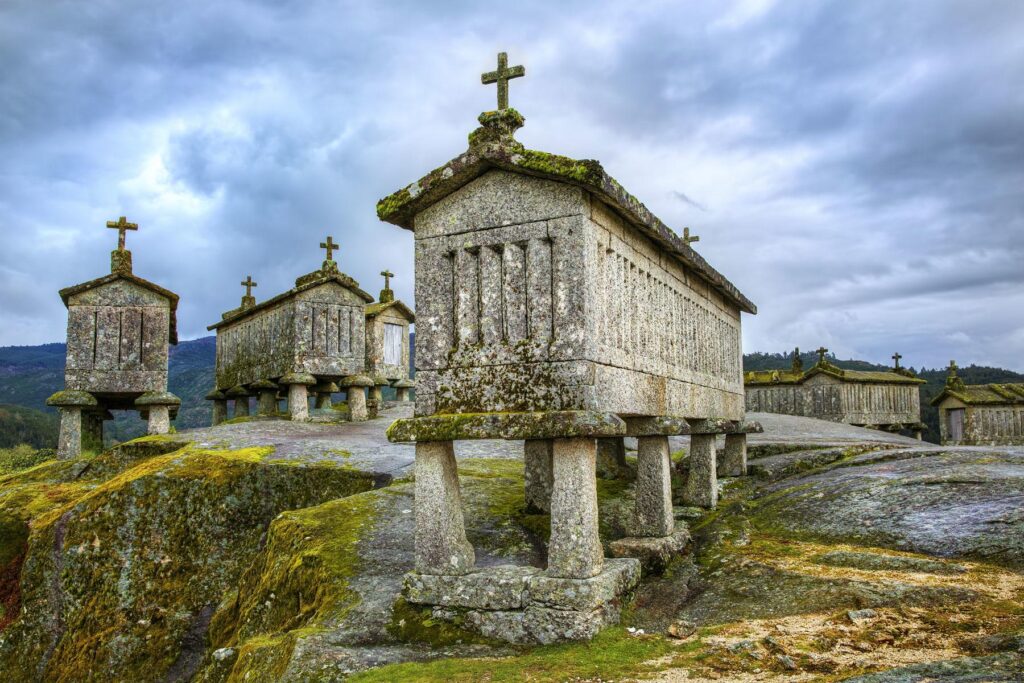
x=320, y=331
x=879, y=404
x=117, y=340
x=375, y=345
x=534, y=297
x=997, y=425
x=784, y=399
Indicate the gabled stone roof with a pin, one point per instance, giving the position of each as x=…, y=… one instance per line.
x=327, y=273
x=373, y=310
x=771, y=377
x=984, y=394
x=492, y=146
x=172, y=298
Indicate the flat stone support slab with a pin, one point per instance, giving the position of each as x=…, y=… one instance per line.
x=657, y=426
x=722, y=426
x=494, y=588
x=533, y=425
x=618, y=577
x=653, y=554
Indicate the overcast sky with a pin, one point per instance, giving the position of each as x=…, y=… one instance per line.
x=856, y=168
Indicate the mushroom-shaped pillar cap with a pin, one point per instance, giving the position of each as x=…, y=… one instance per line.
x=157, y=398
x=356, y=381
x=404, y=384
x=263, y=385
x=326, y=388
x=72, y=398
x=298, y=378
x=379, y=379
x=237, y=391
x=216, y=395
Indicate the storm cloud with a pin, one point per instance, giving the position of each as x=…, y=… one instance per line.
x=856, y=168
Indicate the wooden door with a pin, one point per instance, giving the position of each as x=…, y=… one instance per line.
x=956, y=424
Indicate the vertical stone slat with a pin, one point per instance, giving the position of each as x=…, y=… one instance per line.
x=538, y=285
x=108, y=338
x=131, y=339
x=514, y=290
x=491, y=322
x=467, y=285
x=331, y=313
x=81, y=337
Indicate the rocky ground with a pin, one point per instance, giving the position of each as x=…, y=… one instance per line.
x=267, y=550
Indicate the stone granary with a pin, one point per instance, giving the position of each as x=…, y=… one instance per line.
x=119, y=328
x=387, y=342
x=307, y=340
x=887, y=400
x=980, y=414
x=554, y=307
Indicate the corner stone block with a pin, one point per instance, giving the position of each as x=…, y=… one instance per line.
x=653, y=487
x=69, y=443
x=734, y=463
x=574, y=551
x=441, y=544
x=298, y=402
x=701, y=487
x=537, y=470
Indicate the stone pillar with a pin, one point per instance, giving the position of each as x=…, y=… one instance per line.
x=537, y=474
x=402, y=388
x=441, y=544
x=574, y=551
x=159, y=420
x=324, y=401
x=734, y=462
x=918, y=434
x=377, y=393
x=241, y=405
x=611, y=457
x=357, y=404
x=220, y=411
x=298, y=402
x=92, y=431
x=702, y=483
x=654, y=487
x=69, y=443
x=266, y=405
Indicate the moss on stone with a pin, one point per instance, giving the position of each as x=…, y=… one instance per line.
x=416, y=624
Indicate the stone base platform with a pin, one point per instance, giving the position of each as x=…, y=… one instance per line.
x=525, y=605
x=653, y=553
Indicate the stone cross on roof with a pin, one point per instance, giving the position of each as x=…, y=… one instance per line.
x=502, y=76
x=248, y=284
x=952, y=367
x=798, y=364
x=821, y=354
x=330, y=246
x=387, y=278
x=687, y=238
x=386, y=295
x=121, y=225
x=896, y=357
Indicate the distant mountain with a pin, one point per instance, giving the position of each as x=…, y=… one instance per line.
x=936, y=378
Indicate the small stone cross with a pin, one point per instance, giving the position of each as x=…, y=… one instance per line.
x=387, y=278
x=248, y=284
x=896, y=357
x=952, y=367
x=686, y=237
x=330, y=246
x=821, y=354
x=121, y=225
x=502, y=77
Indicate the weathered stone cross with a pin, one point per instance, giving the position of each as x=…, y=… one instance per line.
x=821, y=354
x=502, y=76
x=686, y=237
x=387, y=278
x=896, y=357
x=952, y=367
x=121, y=225
x=330, y=246
x=248, y=284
